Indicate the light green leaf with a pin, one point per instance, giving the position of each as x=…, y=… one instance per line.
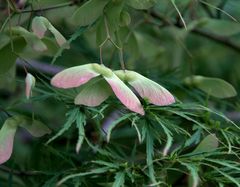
x=141, y=4
x=115, y=123
x=93, y=93
x=104, y=163
x=194, y=180
x=168, y=134
x=89, y=12
x=34, y=127
x=72, y=116
x=92, y=172
x=150, y=154
x=213, y=86
x=119, y=179
x=125, y=18
x=81, y=122
x=208, y=144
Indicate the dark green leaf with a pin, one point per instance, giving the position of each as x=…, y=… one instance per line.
x=8, y=58
x=113, y=12
x=141, y=4
x=81, y=122
x=7, y=79
x=72, y=116
x=89, y=12
x=125, y=18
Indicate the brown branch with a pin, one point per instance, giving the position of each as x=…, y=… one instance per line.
x=39, y=66
x=220, y=39
x=217, y=38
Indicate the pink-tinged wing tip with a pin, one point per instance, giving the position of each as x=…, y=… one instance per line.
x=6, y=149
x=39, y=27
x=74, y=77
x=150, y=90
x=30, y=83
x=125, y=95
x=7, y=134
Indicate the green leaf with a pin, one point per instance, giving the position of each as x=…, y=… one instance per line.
x=130, y=42
x=74, y=36
x=81, y=122
x=89, y=12
x=125, y=18
x=212, y=86
x=4, y=40
x=150, y=154
x=7, y=79
x=93, y=93
x=95, y=171
x=113, y=11
x=208, y=144
x=195, y=138
x=194, y=180
x=168, y=134
x=101, y=34
x=141, y=4
x=34, y=127
x=115, y=123
x=72, y=116
x=119, y=179
x=147, y=44
x=108, y=164
x=220, y=26
x=8, y=58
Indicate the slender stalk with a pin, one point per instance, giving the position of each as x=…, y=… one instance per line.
x=49, y=8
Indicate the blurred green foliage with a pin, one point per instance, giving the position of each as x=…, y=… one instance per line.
x=190, y=143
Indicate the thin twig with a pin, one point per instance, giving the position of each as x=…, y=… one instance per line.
x=49, y=8
x=179, y=13
x=221, y=6
x=219, y=9
x=17, y=172
x=108, y=38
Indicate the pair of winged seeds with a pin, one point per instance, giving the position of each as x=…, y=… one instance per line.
x=100, y=82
